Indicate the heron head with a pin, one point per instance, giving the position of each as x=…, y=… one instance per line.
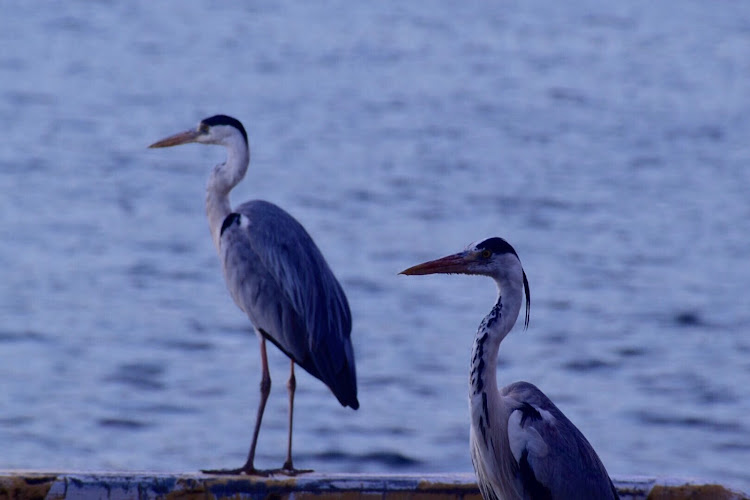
x=493, y=257
x=218, y=129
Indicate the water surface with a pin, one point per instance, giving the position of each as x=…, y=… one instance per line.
x=607, y=144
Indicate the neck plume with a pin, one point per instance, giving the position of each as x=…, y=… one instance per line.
x=224, y=177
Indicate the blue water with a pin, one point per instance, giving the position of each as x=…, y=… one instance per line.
x=608, y=144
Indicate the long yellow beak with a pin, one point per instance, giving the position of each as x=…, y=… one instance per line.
x=177, y=139
x=455, y=263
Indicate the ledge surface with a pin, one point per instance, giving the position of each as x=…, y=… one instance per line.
x=28, y=485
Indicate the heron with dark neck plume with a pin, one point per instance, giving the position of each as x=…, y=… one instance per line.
x=522, y=446
x=277, y=275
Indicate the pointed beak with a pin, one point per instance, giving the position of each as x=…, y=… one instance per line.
x=177, y=139
x=456, y=263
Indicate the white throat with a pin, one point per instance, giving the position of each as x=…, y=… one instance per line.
x=224, y=177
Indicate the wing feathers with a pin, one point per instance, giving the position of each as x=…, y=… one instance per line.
x=553, y=458
x=277, y=275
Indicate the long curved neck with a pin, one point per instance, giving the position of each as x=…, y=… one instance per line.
x=493, y=329
x=224, y=177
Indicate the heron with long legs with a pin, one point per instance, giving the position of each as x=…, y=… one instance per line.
x=277, y=275
x=522, y=446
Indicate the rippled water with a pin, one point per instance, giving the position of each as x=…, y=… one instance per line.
x=609, y=145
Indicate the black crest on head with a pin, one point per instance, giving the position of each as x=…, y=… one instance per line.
x=496, y=246
x=225, y=120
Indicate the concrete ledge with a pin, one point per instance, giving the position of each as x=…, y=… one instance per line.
x=29, y=485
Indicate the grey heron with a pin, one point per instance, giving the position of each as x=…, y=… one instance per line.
x=277, y=275
x=522, y=446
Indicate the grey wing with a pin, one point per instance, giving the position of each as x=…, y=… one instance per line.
x=554, y=458
x=277, y=275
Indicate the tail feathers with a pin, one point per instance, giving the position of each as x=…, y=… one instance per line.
x=344, y=386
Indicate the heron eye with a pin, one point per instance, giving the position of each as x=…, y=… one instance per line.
x=486, y=254
x=203, y=128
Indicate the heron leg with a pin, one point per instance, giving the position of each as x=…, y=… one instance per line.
x=265, y=390
x=291, y=386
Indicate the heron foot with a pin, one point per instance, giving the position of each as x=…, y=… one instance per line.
x=288, y=470
x=247, y=471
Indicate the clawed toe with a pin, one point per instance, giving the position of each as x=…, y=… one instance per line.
x=247, y=471
x=291, y=471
